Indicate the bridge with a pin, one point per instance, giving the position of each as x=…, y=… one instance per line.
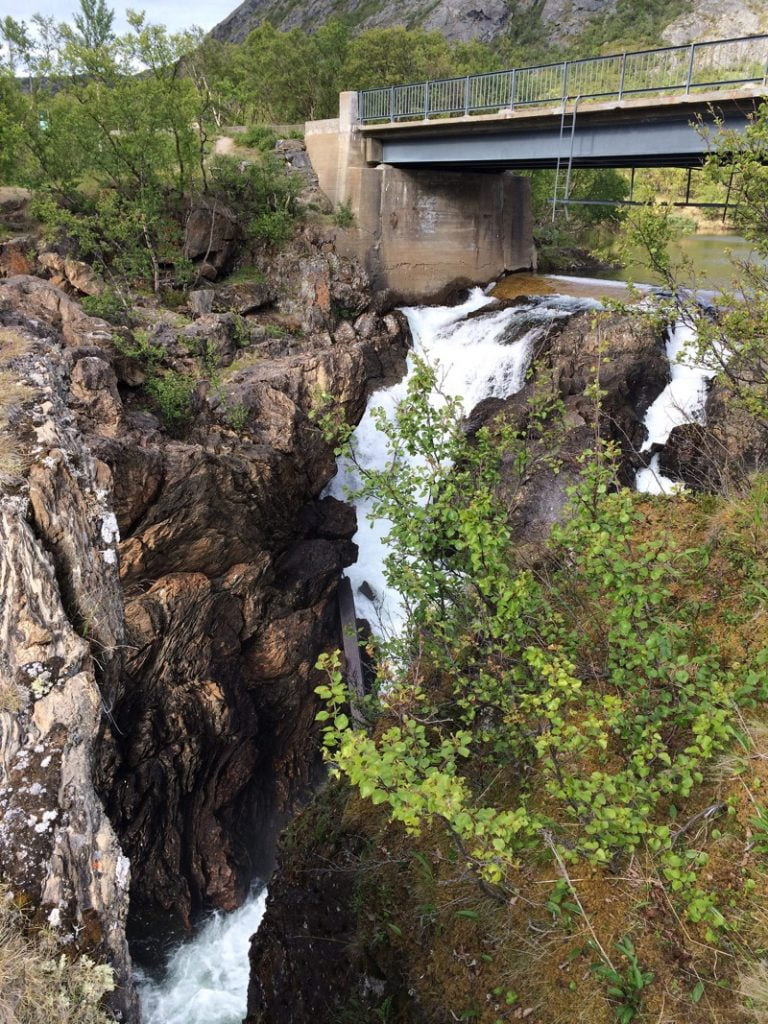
x=427, y=168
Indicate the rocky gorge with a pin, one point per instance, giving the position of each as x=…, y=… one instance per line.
x=168, y=583
x=165, y=594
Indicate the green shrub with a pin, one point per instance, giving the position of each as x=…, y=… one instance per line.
x=343, y=217
x=139, y=348
x=594, y=678
x=260, y=136
x=273, y=227
x=173, y=393
x=109, y=306
x=263, y=194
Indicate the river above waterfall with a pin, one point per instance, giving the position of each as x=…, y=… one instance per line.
x=711, y=256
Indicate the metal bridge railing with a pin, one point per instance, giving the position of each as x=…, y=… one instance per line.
x=671, y=69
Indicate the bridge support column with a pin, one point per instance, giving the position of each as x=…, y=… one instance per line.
x=419, y=231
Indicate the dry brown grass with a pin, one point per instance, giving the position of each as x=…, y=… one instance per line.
x=9, y=697
x=12, y=344
x=13, y=393
x=39, y=984
x=11, y=462
x=753, y=986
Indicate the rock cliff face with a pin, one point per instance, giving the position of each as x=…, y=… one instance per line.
x=61, y=629
x=466, y=19
x=164, y=598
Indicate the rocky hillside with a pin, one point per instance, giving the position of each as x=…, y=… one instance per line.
x=559, y=20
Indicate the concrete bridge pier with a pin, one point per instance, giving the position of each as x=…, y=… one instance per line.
x=417, y=231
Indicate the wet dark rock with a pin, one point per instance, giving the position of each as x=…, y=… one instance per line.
x=628, y=361
x=211, y=235
x=720, y=455
x=203, y=648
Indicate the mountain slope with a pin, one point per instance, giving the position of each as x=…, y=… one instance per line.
x=561, y=21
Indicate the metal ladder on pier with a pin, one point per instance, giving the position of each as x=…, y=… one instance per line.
x=561, y=192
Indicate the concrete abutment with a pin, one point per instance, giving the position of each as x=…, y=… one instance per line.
x=419, y=230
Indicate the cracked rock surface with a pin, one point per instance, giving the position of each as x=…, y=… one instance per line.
x=164, y=601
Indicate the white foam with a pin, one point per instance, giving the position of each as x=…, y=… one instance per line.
x=682, y=401
x=651, y=480
x=206, y=979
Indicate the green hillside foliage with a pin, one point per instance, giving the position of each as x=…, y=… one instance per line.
x=115, y=138
x=631, y=25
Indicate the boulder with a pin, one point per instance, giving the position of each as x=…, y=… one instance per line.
x=211, y=235
x=244, y=297
x=83, y=278
x=214, y=336
x=201, y=301
x=14, y=207
x=721, y=454
x=17, y=256
x=93, y=393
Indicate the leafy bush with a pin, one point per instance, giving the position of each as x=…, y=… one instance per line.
x=109, y=306
x=173, y=393
x=260, y=136
x=343, y=216
x=592, y=682
x=263, y=194
x=273, y=227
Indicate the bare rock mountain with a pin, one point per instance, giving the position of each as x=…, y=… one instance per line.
x=456, y=19
x=471, y=20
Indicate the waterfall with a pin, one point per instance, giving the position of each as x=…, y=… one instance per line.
x=484, y=356
x=205, y=980
x=476, y=356
x=681, y=401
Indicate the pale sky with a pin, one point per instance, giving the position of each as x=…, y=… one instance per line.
x=175, y=14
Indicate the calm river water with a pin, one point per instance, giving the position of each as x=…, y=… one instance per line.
x=710, y=255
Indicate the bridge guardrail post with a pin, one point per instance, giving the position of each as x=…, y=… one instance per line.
x=690, y=67
x=623, y=73
x=566, y=65
x=466, y=96
x=513, y=86
x=391, y=103
x=426, y=100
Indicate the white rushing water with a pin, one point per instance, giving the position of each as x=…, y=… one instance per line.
x=206, y=979
x=681, y=401
x=474, y=359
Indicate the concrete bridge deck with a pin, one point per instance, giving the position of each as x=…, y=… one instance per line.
x=658, y=131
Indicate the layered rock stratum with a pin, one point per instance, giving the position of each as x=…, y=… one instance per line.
x=165, y=595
